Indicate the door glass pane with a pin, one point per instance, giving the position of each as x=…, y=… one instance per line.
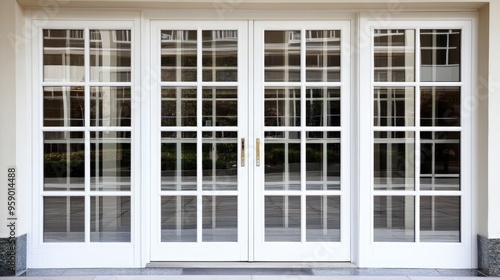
x=440, y=55
x=110, y=106
x=220, y=218
x=322, y=106
x=282, y=218
x=63, y=55
x=440, y=161
x=440, y=218
x=110, y=219
x=282, y=161
x=394, y=161
x=323, y=55
x=323, y=218
x=220, y=161
x=323, y=161
x=110, y=53
x=178, y=55
x=394, y=55
x=64, y=161
x=110, y=161
x=178, y=219
x=63, y=219
x=282, y=56
x=178, y=161
x=178, y=106
x=394, y=106
x=282, y=106
x=394, y=218
x=63, y=106
x=220, y=106
x=440, y=106
x=220, y=55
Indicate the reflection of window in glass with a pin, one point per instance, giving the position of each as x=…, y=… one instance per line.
x=394, y=218
x=110, y=59
x=394, y=55
x=394, y=106
x=63, y=106
x=63, y=55
x=394, y=159
x=282, y=106
x=110, y=161
x=282, y=161
x=179, y=55
x=323, y=106
x=323, y=55
x=220, y=55
x=282, y=56
x=440, y=55
x=440, y=159
x=440, y=106
x=110, y=106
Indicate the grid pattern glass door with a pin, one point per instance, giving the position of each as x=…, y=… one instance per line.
x=87, y=135
x=417, y=94
x=302, y=192
x=201, y=119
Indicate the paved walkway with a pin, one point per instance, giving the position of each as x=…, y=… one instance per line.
x=300, y=273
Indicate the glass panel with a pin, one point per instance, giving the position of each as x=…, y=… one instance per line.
x=440, y=106
x=440, y=55
x=394, y=58
x=282, y=218
x=64, y=219
x=178, y=55
x=110, y=52
x=220, y=55
x=178, y=219
x=323, y=218
x=64, y=161
x=440, y=161
x=440, y=219
x=282, y=106
x=63, y=55
x=282, y=161
x=110, y=219
x=63, y=106
x=394, y=218
x=323, y=161
x=178, y=106
x=178, y=161
x=394, y=161
x=394, y=106
x=220, y=107
x=110, y=161
x=322, y=107
x=323, y=55
x=110, y=106
x=220, y=219
x=282, y=56
x=220, y=161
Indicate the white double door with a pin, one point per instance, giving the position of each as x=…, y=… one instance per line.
x=250, y=141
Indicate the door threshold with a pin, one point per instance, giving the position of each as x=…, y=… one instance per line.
x=251, y=265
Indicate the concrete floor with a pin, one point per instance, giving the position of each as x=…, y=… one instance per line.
x=249, y=273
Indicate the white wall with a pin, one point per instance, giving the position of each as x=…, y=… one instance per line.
x=7, y=104
x=494, y=124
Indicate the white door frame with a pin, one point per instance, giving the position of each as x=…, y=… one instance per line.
x=199, y=251
x=302, y=251
x=416, y=254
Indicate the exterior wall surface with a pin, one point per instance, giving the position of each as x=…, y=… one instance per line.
x=14, y=107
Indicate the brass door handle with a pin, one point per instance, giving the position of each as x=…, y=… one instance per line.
x=242, y=152
x=257, y=152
